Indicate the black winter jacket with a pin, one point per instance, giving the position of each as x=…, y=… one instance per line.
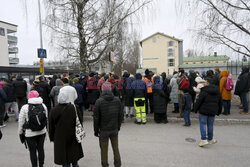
x=20, y=87
x=107, y=112
x=9, y=90
x=209, y=101
x=243, y=82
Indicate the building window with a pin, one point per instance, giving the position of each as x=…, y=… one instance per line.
x=170, y=62
x=154, y=39
x=2, y=33
x=170, y=52
x=193, y=62
x=201, y=62
x=216, y=61
x=186, y=63
x=171, y=43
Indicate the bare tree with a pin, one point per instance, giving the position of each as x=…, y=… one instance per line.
x=84, y=30
x=223, y=22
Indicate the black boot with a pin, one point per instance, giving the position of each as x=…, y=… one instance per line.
x=177, y=110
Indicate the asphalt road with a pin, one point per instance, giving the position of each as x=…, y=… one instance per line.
x=150, y=145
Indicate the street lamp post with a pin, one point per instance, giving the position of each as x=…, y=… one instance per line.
x=41, y=34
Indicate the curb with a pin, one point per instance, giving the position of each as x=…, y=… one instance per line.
x=196, y=120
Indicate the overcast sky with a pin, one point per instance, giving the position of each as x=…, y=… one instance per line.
x=161, y=18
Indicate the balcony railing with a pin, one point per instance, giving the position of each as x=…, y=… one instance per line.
x=13, y=60
x=12, y=39
x=13, y=50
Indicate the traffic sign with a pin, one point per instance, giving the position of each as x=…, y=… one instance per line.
x=41, y=53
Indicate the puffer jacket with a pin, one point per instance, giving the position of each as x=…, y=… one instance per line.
x=174, y=89
x=226, y=94
x=243, y=82
x=107, y=112
x=209, y=101
x=23, y=116
x=139, y=87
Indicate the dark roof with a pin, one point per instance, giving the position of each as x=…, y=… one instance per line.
x=162, y=35
x=8, y=23
x=213, y=64
x=206, y=58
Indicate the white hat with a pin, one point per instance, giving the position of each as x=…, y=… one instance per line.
x=199, y=80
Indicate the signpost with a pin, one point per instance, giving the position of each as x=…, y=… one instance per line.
x=41, y=66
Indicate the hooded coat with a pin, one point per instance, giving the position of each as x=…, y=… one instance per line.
x=62, y=122
x=243, y=82
x=55, y=90
x=226, y=94
x=129, y=101
x=209, y=101
x=159, y=97
x=139, y=87
x=174, y=89
x=107, y=112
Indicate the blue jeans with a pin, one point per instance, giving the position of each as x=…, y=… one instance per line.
x=206, y=123
x=187, y=117
x=227, y=106
x=243, y=98
x=74, y=164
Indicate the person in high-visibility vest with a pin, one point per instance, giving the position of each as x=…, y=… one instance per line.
x=139, y=93
x=149, y=82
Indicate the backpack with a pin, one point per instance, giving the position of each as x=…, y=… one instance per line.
x=229, y=84
x=184, y=83
x=37, y=117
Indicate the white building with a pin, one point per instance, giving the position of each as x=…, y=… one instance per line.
x=8, y=44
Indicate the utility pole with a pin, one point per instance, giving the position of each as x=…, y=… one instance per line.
x=41, y=37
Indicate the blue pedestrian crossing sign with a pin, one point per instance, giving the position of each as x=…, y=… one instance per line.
x=41, y=53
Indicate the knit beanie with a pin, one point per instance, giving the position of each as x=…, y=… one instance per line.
x=76, y=80
x=33, y=94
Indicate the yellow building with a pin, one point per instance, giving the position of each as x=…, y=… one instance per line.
x=162, y=53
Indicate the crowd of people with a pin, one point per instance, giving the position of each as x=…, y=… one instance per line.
x=63, y=98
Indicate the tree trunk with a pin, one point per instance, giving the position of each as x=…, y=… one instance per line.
x=82, y=40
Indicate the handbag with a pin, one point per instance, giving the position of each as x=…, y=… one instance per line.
x=80, y=133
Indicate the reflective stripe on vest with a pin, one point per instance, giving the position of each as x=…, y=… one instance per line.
x=149, y=84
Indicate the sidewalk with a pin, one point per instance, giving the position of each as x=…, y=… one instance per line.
x=234, y=118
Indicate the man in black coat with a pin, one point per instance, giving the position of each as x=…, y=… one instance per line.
x=107, y=123
x=242, y=87
x=20, y=89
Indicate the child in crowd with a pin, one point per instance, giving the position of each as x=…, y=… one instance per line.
x=200, y=84
x=186, y=106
